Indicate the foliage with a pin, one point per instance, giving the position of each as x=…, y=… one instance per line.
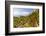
x=31, y=20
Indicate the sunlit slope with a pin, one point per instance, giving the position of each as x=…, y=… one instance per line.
x=31, y=20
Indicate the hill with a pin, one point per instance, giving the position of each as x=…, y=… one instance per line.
x=31, y=20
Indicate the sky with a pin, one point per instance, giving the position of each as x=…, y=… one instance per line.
x=17, y=12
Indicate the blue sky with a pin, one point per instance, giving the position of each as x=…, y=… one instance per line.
x=22, y=11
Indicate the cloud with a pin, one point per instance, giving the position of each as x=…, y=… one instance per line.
x=17, y=14
x=21, y=12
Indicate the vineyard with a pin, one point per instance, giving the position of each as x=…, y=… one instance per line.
x=32, y=20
